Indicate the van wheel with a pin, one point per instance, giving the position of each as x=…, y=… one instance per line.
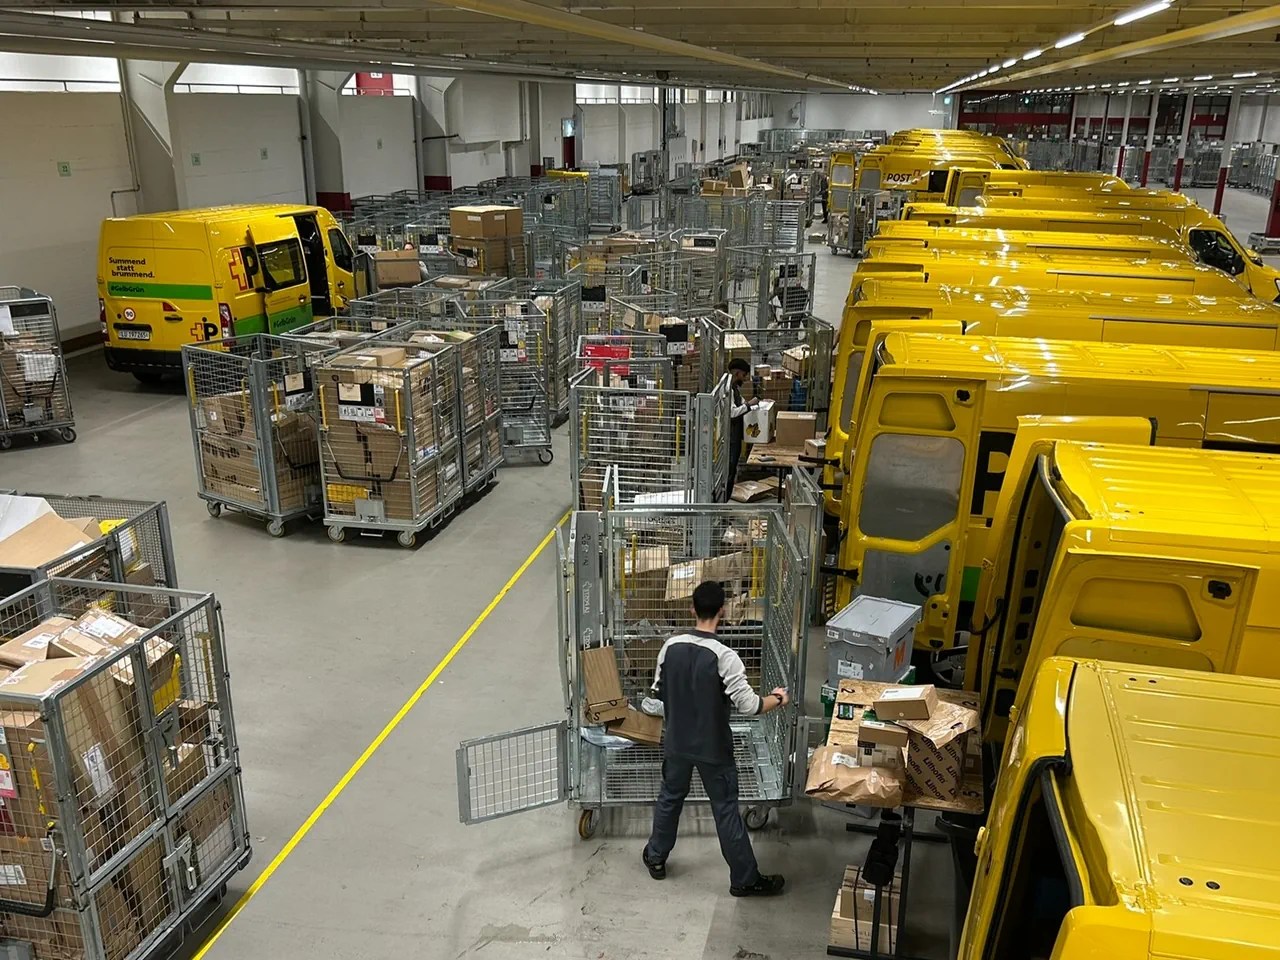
x=149, y=377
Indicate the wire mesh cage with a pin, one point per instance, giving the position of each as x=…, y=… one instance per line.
x=127, y=541
x=697, y=278
x=561, y=301
x=525, y=361
x=644, y=563
x=634, y=359
x=600, y=281
x=35, y=397
x=766, y=287
x=604, y=197
x=125, y=813
x=644, y=214
x=710, y=211
x=390, y=436
x=777, y=224
x=559, y=201
x=1049, y=154
x=791, y=366
x=463, y=287
x=550, y=249
x=252, y=408
x=427, y=301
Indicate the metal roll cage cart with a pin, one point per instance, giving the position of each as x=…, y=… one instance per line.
x=601, y=603
x=600, y=281
x=34, y=395
x=767, y=287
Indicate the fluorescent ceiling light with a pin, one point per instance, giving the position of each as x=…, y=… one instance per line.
x=1032, y=54
x=1248, y=73
x=1144, y=83
x=1169, y=80
x=993, y=68
x=1068, y=41
x=1141, y=12
x=1123, y=83
x=1009, y=63
x=1207, y=76
x=1106, y=86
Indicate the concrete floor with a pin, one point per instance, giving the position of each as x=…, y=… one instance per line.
x=326, y=642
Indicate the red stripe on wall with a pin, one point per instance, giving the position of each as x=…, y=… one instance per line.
x=332, y=200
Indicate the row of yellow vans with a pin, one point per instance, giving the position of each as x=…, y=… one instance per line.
x=1058, y=409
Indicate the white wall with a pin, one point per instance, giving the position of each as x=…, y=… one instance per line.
x=378, y=154
x=599, y=132
x=748, y=131
x=853, y=111
x=642, y=128
x=556, y=103
x=229, y=132
x=1251, y=119
x=469, y=163
x=50, y=238
x=482, y=109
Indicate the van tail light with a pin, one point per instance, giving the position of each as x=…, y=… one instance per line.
x=168, y=307
x=102, y=318
x=225, y=321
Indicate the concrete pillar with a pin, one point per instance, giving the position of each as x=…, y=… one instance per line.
x=1071, y=124
x=1182, y=144
x=1102, y=137
x=702, y=125
x=429, y=104
x=1151, y=138
x=623, y=156
x=324, y=87
x=147, y=86
x=1228, y=141
x=1124, y=135
x=1262, y=118
x=308, y=152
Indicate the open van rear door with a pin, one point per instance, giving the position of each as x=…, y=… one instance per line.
x=275, y=260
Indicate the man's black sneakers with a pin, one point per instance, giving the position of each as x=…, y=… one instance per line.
x=657, y=868
x=766, y=885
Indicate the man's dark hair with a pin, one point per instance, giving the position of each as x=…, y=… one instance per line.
x=708, y=599
x=737, y=363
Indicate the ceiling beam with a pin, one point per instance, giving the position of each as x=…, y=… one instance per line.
x=1265, y=18
x=531, y=13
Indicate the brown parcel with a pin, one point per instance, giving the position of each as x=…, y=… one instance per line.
x=397, y=268
x=33, y=644
x=835, y=775
x=45, y=538
x=486, y=222
x=604, y=700
x=796, y=360
x=907, y=703
x=753, y=491
x=937, y=751
x=229, y=414
x=881, y=744
x=186, y=772
x=854, y=909
x=639, y=727
x=792, y=429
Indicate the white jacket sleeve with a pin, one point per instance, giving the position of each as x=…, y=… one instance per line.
x=736, y=688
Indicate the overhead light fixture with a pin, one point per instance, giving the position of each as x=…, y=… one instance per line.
x=1169, y=80
x=1123, y=83
x=1092, y=86
x=1009, y=63
x=1068, y=41
x=993, y=68
x=1032, y=54
x=1247, y=73
x=1207, y=76
x=1141, y=12
x=1106, y=86
x=1144, y=83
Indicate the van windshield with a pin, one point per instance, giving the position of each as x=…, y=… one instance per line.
x=1215, y=249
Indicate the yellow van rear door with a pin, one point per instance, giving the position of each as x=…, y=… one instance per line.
x=279, y=274
x=155, y=295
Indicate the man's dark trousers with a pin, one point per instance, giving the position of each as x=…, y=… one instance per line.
x=721, y=782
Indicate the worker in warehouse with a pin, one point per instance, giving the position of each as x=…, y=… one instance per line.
x=697, y=682
x=739, y=373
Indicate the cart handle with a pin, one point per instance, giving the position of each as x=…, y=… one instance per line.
x=191, y=385
x=50, y=896
x=324, y=418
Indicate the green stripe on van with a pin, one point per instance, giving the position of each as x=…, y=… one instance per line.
x=969, y=581
x=159, y=291
x=281, y=322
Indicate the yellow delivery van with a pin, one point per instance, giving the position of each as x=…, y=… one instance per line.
x=965, y=186
x=166, y=279
x=1179, y=220
x=894, y=235
x=937, y=419
x=1129, y=820
x=1161, y=556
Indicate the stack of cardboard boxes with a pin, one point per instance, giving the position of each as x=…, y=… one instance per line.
x=110, y=784
x=853, y=914
x=891, y=745
x=381, y=449
x=32, y=385
x=489, y=239
x=230, y=465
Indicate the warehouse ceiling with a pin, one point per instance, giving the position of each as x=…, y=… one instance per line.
x=886, y=45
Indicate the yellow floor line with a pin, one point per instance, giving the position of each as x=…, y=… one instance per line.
x=370, y=750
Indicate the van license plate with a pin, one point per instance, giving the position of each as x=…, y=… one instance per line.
x=134, y=334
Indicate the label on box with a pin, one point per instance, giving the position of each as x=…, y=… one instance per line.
x=95, y=764
x=294, y=382
x=679, y=346
x=844, y=759
x=849, y=669
x=8, y=788
x=512, y=355
x=377, y=324
x=104, y=628
x=12, y=875
x=39, y=642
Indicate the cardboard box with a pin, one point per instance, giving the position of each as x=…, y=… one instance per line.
x=792, y=429
x=162, y=669
x=736, y=347
x=486, y=222
x=714, y=188
x=397, y=268
x=185, y=771
x=386, y=356
x=44, y=539
x=757, y=423
x=871, y=639
x=28, y=798
x=835, y=774
x=229, y=414
x=739, y=176
x=907, y=703
x=639, y=727
x=33, y=644
x=644, y=571
x=854, y=911
x=604, y=702
x=797, y=359
x=881, y=744
x=937, y=749
x=816, y=448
